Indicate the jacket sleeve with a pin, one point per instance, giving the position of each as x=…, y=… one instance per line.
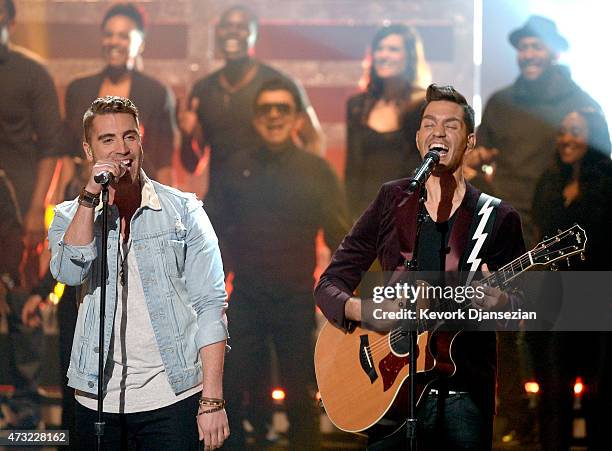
x=69, y=264
x=354, y=256
x=204, y=276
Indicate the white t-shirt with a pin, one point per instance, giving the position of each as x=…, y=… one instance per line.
x=134, y=371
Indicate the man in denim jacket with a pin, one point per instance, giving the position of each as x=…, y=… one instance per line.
x=165, y=328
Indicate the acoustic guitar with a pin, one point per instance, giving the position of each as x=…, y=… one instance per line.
x=361, y=373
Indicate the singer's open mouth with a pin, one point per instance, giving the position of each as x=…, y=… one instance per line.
x=441, y=148
x=438, y=146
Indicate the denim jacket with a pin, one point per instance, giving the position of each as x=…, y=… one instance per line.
x=182, y=276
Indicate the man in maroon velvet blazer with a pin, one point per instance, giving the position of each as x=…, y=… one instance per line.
x=386, y=231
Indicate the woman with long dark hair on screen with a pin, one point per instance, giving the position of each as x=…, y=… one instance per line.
x=578, y=187
x=382, y=121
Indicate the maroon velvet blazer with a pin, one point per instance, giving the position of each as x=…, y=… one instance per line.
x=386, y=231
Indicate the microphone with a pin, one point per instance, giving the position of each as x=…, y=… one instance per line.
x=106, y=177
x=431, y=159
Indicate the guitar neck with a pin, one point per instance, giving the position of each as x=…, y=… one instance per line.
x=561, y=246
x=503, y=277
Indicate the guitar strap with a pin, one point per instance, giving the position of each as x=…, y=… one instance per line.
x=480, y=229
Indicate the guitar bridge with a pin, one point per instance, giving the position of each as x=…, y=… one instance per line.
x=365, y=358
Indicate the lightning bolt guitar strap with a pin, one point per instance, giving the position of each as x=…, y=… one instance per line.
x=480, y=229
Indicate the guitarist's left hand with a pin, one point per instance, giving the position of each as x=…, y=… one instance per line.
x=494, y=298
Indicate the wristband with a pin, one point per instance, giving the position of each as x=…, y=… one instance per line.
x=88, y=199
x=211, y=402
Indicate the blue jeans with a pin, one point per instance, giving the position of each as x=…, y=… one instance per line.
x=461, y=426
x=171, y=428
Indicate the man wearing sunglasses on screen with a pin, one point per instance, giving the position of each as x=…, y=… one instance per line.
x=218, y=112
x=267, y=211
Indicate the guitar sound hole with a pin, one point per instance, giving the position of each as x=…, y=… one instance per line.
x=400, y=342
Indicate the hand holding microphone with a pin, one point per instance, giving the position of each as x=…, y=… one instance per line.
x=103, y=173
x=106, y=177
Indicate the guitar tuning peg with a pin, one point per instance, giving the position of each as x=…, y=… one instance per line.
x=554, y=267
x=558, y=231
x=582, y=257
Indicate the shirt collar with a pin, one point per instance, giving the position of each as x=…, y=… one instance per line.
x=148, y=195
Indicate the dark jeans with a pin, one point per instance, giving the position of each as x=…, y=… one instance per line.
x=460, y=426
x=261, y=322
x=171, y=428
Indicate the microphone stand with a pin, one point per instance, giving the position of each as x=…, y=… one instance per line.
x=99, y=425
x=412, y=265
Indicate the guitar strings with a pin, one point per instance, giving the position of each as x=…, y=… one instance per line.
x=492, y=280
x=381, y=342
x=487, y=281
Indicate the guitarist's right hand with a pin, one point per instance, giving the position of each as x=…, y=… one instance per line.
x=383, y=316
x=352, y=309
